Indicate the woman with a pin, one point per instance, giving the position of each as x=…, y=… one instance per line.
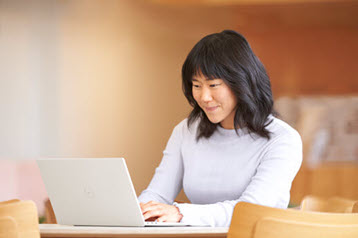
x=231, y=148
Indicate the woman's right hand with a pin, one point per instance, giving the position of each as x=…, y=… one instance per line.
x=161, y=212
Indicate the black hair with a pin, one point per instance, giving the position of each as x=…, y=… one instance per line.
x=228, y=56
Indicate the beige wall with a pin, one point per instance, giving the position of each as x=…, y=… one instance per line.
x=107, y=80
x=119, y=84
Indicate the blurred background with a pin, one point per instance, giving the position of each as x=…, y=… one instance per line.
x=99, y=78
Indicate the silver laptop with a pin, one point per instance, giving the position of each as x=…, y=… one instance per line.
x=93, y=192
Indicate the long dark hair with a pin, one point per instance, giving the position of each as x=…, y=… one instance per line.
x=228, y=56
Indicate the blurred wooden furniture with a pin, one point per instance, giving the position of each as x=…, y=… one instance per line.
x=9, y=201
x=333, y=204
x=355, y=208
x=279, y=228
x=8, y=227
x=25, y=215
x=246, y=216
x=50, y=217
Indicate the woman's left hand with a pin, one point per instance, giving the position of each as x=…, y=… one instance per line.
x=162, y=212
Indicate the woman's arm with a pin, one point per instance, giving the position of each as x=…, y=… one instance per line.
x=168, y=178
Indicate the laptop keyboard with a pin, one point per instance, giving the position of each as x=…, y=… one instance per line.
x=156, y=223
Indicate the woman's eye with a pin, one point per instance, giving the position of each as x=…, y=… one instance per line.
x=195, y=86
x=214, y=85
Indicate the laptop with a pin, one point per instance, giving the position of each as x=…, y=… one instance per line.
x=93, y=192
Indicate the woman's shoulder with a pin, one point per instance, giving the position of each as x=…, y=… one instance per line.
x=280, y=129
x=284, y=141
x=186, y=128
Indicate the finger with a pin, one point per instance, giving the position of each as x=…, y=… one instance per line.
x=141, y=206
x=151, y=208
x=152, y=219
x=163, y=218
x=153, y=213
x=167, y=218
x=149, y=204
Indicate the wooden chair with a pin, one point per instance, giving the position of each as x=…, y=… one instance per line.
x=355, y=207
x=25, y=215
x=246, y=215
x=8, y=227
x=9, y=201
x=278, y=228
x=49, y=213
x=333, y=204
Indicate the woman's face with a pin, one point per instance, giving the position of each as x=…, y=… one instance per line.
x=216, y=99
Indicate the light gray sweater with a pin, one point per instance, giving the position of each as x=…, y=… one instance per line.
x=227, y=168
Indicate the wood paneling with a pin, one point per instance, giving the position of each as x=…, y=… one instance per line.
x=309, y=61
x=243, y=2
x=326, y=181
x=309, y=49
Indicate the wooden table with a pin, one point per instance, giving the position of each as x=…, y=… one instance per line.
x=61, y=231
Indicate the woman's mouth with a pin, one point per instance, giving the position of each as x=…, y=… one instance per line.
x=211, y=109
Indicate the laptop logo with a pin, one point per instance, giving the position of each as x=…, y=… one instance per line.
x=89, y=192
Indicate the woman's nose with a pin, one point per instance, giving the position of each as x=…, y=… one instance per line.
x=206, y=95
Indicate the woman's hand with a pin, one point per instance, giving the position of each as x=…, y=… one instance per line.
x=160, y=212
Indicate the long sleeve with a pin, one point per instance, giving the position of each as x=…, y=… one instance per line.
x=269, y=186
x=168, y=178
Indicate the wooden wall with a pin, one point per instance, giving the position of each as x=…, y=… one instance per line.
x=309, y=49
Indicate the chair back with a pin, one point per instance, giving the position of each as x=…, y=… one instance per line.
x=313, y=203
x=49, y=213
x=25, y=215
x=338, y=204
x=8, y=227
x=333, y=204
x=277, y=228
x=355, y=208
x=246, y=215
x=9, y=201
